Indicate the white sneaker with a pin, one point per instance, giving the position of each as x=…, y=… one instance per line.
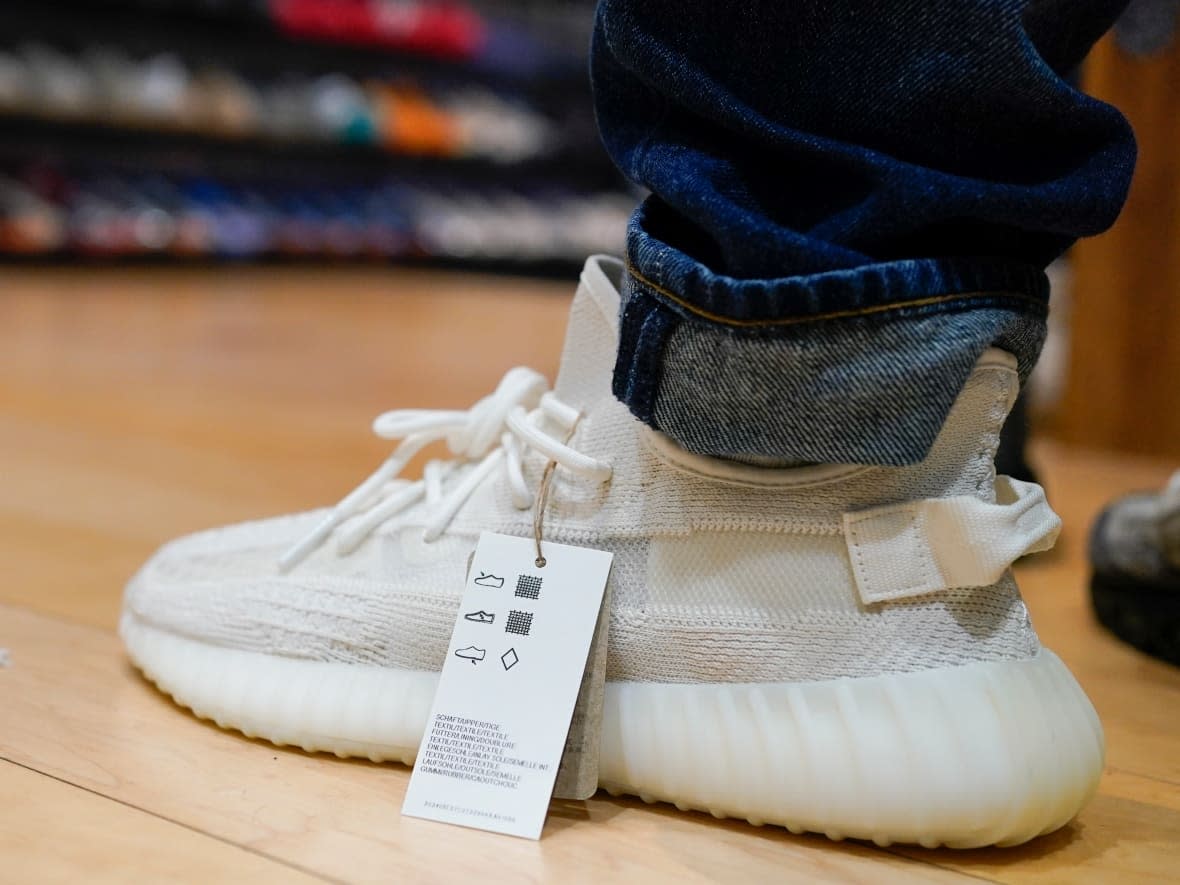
x=837, y=649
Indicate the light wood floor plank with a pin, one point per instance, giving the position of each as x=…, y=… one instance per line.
x=54, y=832
x=1129, y=833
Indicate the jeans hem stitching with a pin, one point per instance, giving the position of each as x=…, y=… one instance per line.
x=831, y=315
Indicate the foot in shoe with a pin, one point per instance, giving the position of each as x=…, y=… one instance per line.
x=836, y=649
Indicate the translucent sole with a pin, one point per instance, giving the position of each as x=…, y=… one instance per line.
x=989, y=753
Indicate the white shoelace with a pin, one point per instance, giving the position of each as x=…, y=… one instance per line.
x=497, y=431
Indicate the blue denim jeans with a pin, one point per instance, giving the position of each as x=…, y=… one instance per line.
x=849, y=202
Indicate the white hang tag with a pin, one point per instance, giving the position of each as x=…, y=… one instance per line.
x=577, y=776
x=506, y=694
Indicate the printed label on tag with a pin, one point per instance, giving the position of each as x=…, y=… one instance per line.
x=506, y=694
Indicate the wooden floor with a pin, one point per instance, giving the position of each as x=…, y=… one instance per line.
x=137, y=405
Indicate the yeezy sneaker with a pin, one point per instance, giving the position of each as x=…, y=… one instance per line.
x=1135, y=585
x=839, y=649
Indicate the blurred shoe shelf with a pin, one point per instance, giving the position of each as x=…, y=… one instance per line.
x=380, y=129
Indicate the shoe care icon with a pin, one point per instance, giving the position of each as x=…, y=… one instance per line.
x=487, y=579
x=471, y=653
x=528, y=586
x=480, y=617
x=519, y=622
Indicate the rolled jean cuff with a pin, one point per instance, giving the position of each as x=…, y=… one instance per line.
x=850, y=366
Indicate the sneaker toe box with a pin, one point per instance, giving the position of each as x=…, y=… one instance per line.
x=390, y=603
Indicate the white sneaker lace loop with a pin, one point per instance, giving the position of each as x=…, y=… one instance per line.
x=499, y=430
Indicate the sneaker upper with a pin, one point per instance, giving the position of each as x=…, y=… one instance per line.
x=723, y=572
x=1138, y=536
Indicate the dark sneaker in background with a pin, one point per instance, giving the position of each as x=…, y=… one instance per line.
x=1135, y=554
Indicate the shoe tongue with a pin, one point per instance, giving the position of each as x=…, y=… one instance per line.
x=592, y=335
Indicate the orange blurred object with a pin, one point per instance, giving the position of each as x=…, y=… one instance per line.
x=410, y=123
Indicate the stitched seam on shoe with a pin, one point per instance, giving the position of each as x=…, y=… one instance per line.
x=873, y=591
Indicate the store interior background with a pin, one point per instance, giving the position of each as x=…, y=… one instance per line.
x=210, y=135
x=233, y=231
x=437, y=132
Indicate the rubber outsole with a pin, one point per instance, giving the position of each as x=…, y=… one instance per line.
x=988, y=753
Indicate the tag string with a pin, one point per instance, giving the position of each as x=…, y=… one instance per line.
x=543, y=498
x=539, y=509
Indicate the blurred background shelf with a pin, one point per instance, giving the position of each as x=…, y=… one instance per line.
x=270, y=129
x=510, y=41
x=95, y=142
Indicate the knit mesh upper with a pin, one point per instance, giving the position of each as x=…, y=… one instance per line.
x=722, y=573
